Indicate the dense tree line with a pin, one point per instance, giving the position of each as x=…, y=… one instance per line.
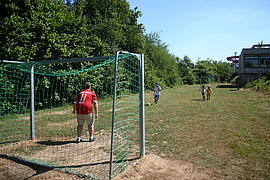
x=35, y=30
x=204, y=71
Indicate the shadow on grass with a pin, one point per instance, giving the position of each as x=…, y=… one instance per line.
x=36, y=167
x=98, y=163
x=226, y=86
x=55, y=143
x=41, y=168
x=197, y=100
x=7, y=142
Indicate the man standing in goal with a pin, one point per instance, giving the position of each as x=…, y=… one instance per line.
x=83, y=108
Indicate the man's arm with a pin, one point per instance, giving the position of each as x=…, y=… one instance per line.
x=96, y=109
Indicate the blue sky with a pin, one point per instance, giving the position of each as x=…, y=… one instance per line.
x=213, y=29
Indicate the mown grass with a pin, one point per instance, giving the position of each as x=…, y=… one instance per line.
x=229, y=134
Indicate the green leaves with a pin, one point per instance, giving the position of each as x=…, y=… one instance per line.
x=204, y=71
x=115, y=24
x=51, y=29
x=160, y=65
x=48, y=30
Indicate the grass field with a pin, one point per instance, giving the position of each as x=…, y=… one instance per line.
x=229, y=135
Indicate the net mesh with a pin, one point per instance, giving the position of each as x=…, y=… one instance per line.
x=55, y=89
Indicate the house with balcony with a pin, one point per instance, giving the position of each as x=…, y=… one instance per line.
x=253, y=62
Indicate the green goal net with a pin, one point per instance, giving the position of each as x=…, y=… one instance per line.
x=37, y=123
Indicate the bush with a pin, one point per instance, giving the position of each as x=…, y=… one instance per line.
x=262, y=83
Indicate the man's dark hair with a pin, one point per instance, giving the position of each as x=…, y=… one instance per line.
x=88, y=85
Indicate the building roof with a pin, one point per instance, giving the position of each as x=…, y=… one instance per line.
x=261, y=46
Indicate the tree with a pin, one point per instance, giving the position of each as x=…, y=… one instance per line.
x=185, y=67
x=115, y=24
x=205, y=71
x=45, y=29
x=224, y=72
x=208, y=71
x=32, y=30
x=160, y=65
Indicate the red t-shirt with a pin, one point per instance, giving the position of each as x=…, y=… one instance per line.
x=84, y=102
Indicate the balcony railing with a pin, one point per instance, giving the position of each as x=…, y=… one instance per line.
x=253, y=70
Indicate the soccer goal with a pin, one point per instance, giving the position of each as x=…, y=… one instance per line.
x=37, y=124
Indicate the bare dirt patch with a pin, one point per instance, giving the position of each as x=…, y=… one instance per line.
x=153, y=167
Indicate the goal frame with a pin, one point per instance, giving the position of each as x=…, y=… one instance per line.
x=139, y=57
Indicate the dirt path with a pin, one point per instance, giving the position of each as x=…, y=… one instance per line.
x=150, y=167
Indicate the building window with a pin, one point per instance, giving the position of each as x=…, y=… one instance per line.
x=265, y=61
x=257, y=61
x=251, y=62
